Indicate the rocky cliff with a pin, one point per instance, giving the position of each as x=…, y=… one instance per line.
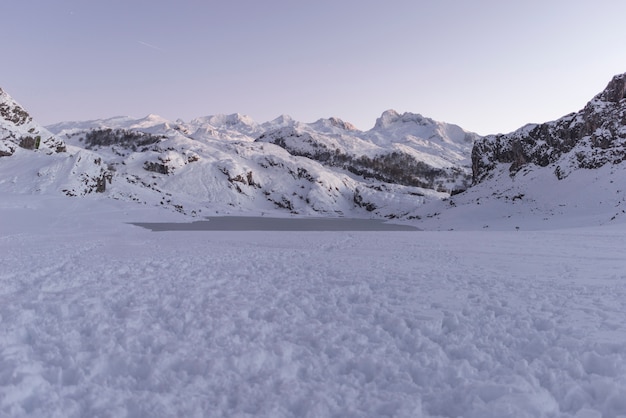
x=590, y=138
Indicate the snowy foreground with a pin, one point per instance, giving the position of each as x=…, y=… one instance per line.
x=102, y=318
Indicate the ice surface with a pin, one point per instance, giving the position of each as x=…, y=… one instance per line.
x=102, y=318
x=262, y=223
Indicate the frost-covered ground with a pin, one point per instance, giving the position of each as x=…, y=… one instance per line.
x=102, y=318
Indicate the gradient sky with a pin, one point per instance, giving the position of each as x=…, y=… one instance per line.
x=487, y=65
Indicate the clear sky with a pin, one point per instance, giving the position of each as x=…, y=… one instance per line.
x=487, y=65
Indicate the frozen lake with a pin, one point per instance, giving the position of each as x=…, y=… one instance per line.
x=257, y=223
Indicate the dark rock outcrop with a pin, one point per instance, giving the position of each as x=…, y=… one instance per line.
x=132, y=140
x=11, y=112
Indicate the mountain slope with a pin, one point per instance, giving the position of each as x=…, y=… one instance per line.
x=570, y=170
x=33, y=160
x=17, y=129
x=217, y=175
x=590, y=138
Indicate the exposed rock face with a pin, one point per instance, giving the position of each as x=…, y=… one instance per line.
x=11, y=112
x=590, y=138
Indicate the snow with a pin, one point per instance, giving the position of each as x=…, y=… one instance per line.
x=442, y=140
x=99, y=317
x=534, y=199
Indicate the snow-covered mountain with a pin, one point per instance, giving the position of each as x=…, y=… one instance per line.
x=230, y=163
x=570, y=170
x=33, y=160
x=406, y=149
x=589, y=139
x=18, y=130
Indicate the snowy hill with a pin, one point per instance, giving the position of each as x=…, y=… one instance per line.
x=566, y=172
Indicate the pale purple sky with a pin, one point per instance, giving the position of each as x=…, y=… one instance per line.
x=487, y=65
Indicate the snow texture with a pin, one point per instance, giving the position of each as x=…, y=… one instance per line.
x=102, y=318
x=534, y=199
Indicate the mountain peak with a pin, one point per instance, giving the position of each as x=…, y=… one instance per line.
x=283, y=120
x=222, y=120
x=151, y=119
x=387, y=118
x=11, y=111
x=153, y=116
x=391, y=117
x=615, y=90
x=341, y=124
x=17, y=129
x=334, y=122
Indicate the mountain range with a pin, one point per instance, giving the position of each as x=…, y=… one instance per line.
x=407, y=166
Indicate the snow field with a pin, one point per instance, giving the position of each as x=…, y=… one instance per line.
x=110, y=320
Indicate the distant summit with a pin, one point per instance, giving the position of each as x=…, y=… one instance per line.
x=221, y=120
x=390, y=117
x=334, y=122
